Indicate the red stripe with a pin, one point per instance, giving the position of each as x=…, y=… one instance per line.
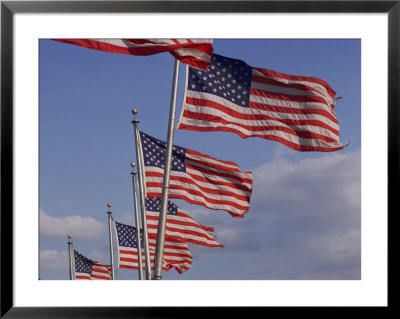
x=112, y=48
x=289, y=110
x=302, y=87
x=184, y=232
x=171, y=220
x=191, y=61
x=203, y=193
x=237, y=184
x=291, y=98
x=193, y=178
x=104, y=271
x=297, y=147
x=218, y=169
x=253, y=129
x=195, y=153
x=251, y=117
x=108, y=47
x=192, y=201
x=271, y=73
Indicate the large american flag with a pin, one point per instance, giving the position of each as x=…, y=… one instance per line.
x=196, y=178
x=232, y=96
x=89, y=269
x=176, y=255
x=194, y=52
x=180, y=226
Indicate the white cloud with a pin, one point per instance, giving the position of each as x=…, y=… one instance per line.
x=53, y=260
x=77, y=226
x=328, y=184
x=304, y=221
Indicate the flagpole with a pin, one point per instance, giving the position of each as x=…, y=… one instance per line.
x=137, y=223
x=111, y=241
x=159, y=254
x=70, y=252
x=140, y=169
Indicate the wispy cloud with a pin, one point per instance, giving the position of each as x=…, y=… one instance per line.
x=313, y=207
x=53, y=260
x=78, y=226
x=304, y=220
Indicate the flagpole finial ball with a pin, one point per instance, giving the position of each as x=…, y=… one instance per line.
x=133, y=165
x=69, y=236
x=134, y=111
x=109, y=205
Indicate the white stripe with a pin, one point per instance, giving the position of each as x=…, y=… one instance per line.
x=289, y=137
x=251, y=111
x=195, y=185
x=253, y=123
x=233, y=176
x=204, y=159
x=216, y=178
x=200, y=199
x=291, y=104
x=283, y=90
x=320, y=88
x=202, y=236
x=198, y=54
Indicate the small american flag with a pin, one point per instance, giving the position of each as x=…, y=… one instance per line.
x=196, y=178
x=232, y=96
x=194, y=52
x=90, y=270
x=180, y=226
x=100, y=271
x=176, y=255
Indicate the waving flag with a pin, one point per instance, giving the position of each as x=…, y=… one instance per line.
x=231, y=96
x=196, y=177
x=176, y=255
x=90, y=270
x=194, y=52
x=180, y=226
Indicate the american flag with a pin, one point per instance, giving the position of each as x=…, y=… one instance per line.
x=89, y=269
x=194, y=52
x=232, y=96
x=196, y=178
x=176, y=255
x=180, y=226
x=100, y=271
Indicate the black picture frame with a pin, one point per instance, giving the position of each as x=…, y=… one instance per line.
x=9, y=8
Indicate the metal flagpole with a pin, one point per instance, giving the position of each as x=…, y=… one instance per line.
x=111, y=241
x=167, y=170
x=71, y=253
x=140, y=169
x=137, y=223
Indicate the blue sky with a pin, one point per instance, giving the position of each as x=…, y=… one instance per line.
x=305, y=215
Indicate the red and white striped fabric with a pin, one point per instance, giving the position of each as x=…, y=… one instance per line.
x=87, y=269
x=196, y=178
x=176, y=255
x=194, y=52
x=231, y=96
x=180, y=226
x=100, y=271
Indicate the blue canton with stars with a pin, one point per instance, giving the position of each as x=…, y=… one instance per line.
x=153, y=204
x=82, y=264
x=127, y=235
x=154, y=153
x=226, y=78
